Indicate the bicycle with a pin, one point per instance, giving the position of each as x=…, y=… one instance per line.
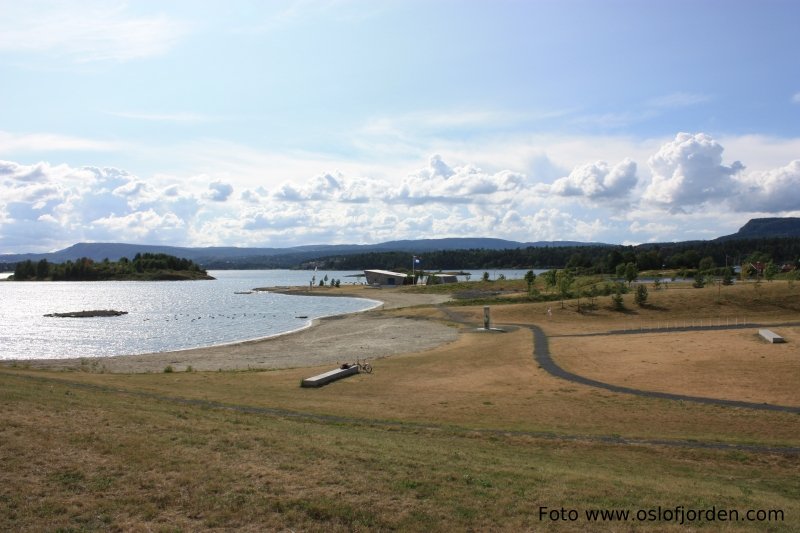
x=362, y=367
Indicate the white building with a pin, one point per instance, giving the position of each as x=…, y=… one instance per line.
x=385, y=277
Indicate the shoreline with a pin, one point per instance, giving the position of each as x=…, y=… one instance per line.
x=364, y=334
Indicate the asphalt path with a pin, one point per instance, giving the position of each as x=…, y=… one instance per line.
x=541, y=353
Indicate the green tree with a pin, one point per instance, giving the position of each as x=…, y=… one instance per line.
x=530, y=277
x=770, y=271
x=42, y=269
x=727, y=276
x=24, y=271
x=564, y=282
x=616, y=300
x=641, y=295
x=485, y=276
x=549, y=279
x=593, y=293
x=631, y=273
x=620, y=270
x=706, y=264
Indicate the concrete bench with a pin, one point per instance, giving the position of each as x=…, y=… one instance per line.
x=327, y=377
x=770, y=336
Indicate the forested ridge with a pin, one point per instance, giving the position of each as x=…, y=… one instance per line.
x=592, y=259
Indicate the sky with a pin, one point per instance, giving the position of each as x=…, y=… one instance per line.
x=283, y=123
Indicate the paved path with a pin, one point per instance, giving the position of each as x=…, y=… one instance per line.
x=541, y=353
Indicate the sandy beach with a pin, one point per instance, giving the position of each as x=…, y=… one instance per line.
x=368, y=335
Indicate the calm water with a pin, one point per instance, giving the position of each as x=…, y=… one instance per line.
x=162, y=316
x=167, y=315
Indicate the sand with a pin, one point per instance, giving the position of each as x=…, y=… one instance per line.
x=368, y=335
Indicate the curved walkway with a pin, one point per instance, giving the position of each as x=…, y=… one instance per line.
x=541, y=352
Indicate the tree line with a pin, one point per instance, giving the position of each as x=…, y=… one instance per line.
x=85, y=269
x=596, y=259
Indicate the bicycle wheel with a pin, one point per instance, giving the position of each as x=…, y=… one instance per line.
x=367, y=368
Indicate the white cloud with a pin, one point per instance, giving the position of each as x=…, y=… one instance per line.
x=771, y=191
x=688, y=171
x=219, y=191
x=439, y=183
x=140, y=226
x=37, y=142
x=85, y=31
x=598, y=181
x=44, y=206
x=796, y=98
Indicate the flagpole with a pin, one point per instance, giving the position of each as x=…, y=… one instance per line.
x=413, y=270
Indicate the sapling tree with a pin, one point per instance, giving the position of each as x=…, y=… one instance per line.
x=530, y=277
x=641, y=295
x=564, y=282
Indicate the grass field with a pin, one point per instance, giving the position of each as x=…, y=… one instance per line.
x=470, y=435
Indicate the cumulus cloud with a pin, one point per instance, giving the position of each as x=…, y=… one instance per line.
x=44, y=206
x=330, y=187
x=140, y=226
x=219, y=191
x=688, y=171
x=58, y=205
x=438, y=182
x=598, y=181
x=771, y=191
x=21, y=173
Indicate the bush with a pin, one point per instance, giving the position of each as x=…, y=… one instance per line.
x=617, y=302
x=641, y=295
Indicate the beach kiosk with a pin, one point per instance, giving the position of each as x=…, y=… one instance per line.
x=385, y=278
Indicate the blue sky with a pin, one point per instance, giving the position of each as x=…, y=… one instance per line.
x=299, y=122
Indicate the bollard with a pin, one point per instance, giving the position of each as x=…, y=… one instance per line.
x=485, y=317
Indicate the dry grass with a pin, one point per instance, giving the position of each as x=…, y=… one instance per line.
x=76, y=459
x=734, y=365
x=86, y=459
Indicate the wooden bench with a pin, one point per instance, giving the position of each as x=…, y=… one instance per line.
x=770, y=336
x=327, y=377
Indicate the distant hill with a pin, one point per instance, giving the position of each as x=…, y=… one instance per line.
x=229, y=257
x=757, y=228
x=232, y=257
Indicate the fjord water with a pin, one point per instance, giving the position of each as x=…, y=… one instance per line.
x=162, y=315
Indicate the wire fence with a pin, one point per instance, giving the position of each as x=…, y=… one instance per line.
x=689, y=323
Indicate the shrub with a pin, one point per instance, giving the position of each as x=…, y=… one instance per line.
x=641, y=295
x=617, y=301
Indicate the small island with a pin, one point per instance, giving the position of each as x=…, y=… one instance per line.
x=143, y=267
x=87, y=314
